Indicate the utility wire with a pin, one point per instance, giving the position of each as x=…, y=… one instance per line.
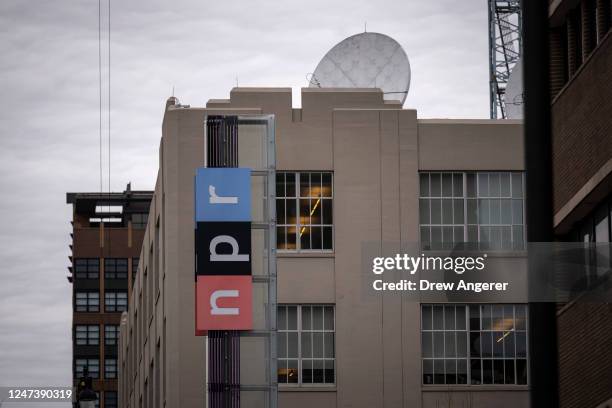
x=100, y=83
x=109, y=113
x=109, y=97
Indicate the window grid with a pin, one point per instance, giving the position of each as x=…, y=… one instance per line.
x=115, y=268
x=86, y=268
x=482, y=209
x=92, y=364
x=115, y=301
x=304, y=211
x=486, y=344
x=87, y=335
x=444, y=344
x=111, y=334
x=110, y=368
x=87, y=302
x=306, y=344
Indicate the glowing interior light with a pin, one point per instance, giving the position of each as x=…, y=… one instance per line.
x=311, y=212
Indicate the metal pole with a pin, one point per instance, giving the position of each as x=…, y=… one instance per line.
x=492, y=79
x=272, y=288
x=543, y=349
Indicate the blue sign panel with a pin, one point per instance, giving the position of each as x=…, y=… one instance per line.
x=222, y=194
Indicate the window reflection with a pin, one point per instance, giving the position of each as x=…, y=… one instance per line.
x=305, y=220
x=492, y=337
x=481, y=210
x=306, y=344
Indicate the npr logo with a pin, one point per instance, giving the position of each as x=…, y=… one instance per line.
x=223, y=249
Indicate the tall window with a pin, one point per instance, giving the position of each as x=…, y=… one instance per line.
x=483, y=209
x=110, y=368
x=110, y=399
x=86, y=268
x=115, y=301
x=87, y=334
x=92, y=364
x=306, y=344
x=111, y=334
x=595, y=231
x=87, y=301
x=474, y=344
x=304, y=204
x=115, y=268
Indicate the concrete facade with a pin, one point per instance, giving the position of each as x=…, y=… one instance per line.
x=375, y=150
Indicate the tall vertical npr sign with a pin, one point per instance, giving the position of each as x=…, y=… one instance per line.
x=223, y=249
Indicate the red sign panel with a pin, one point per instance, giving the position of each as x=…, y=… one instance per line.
x=222, y=302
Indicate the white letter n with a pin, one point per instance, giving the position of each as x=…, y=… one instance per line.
x=216, y=310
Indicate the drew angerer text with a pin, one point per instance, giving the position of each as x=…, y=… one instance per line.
x=425, y=285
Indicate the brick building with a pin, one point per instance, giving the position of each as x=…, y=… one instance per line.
x=581, y=90
x=107, y=233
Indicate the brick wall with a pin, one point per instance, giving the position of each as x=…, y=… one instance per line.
x=582, y=125
x=585, y=355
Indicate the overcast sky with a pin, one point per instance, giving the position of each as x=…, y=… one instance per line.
x=49, y=115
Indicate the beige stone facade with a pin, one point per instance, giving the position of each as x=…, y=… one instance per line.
x=375, y=150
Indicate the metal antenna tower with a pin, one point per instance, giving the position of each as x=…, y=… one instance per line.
x=505, y=49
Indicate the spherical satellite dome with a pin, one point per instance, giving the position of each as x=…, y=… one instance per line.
x=366, y=60
x=514, y=93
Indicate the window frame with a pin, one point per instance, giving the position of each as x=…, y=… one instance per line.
x=88, y=298
x=114, y=372
x=477, y=198
x=298, y=225
x=115, y=301
x=108, y=400
x=596, y=252
x=111, y=266
x=115, y=338
x=88, y=338
x=469, y=358
x=299, y=358
x=87, y=364
x=92, y=268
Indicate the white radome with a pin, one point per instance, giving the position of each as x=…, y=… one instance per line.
x=514, y=93
x=366, y=60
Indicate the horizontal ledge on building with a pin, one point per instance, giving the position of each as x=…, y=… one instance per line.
x=255, y=333
x=261, y=225
x=251, y=89
x=474, y=388
x=246, y=387
x=306, y=388
x=490, y=253
x=459, y=121
x=263, y=278
x=280, y=254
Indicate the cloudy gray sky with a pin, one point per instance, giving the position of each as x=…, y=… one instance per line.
x=49, y=115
